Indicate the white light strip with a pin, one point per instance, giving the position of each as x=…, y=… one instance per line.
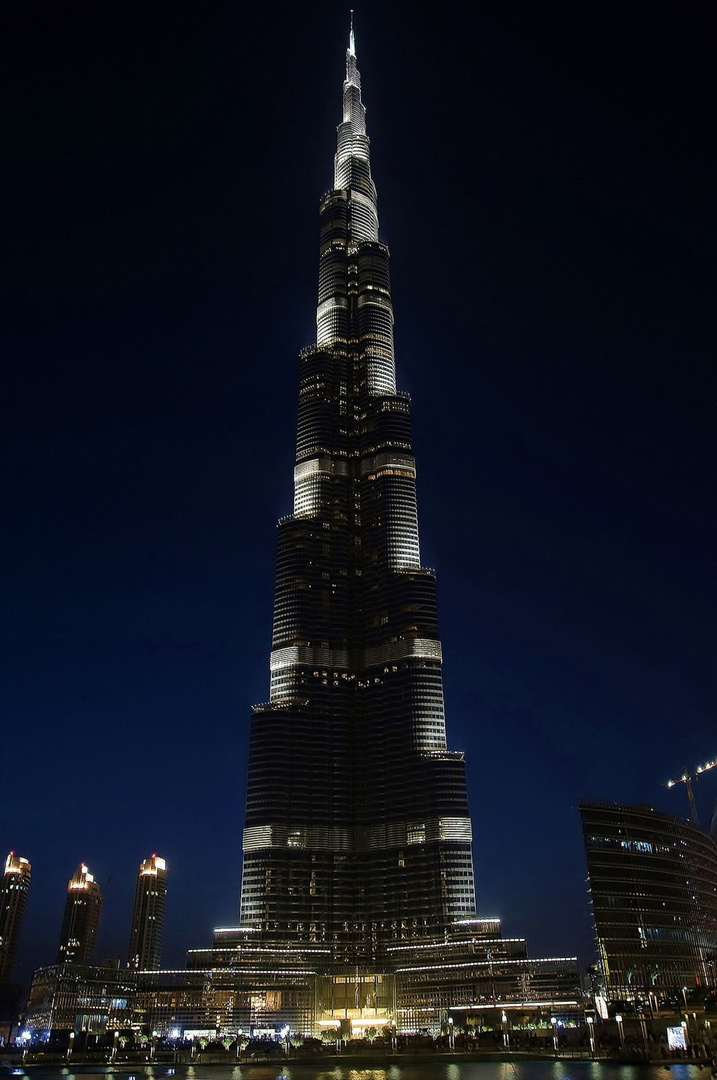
x=380, y=837
x=404, y=462
x=492, y=964
x=305, y=654
x=421, y=648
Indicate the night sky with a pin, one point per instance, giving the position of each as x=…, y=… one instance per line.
x=546, y=186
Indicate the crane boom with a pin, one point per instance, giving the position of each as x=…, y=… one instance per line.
x=686, y=779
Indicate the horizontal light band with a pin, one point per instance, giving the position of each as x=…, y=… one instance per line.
x=331, y=304
x=323, y=464
x=338, y=659
x=404, y=462
x=420, y=648
x=377, y=299
x=311, y=657
x=379, y=837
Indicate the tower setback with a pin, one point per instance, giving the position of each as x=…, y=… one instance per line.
x=357, y=829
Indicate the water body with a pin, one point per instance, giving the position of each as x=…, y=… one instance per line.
x=468, y=1070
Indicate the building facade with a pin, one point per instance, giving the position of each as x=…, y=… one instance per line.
x=96, y=1000
x=357, y=828
x=145, y=946
x=474, y=977
x=81, y=920
x=13, y=898
x=653, y=890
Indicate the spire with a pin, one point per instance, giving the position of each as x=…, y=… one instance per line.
x=352, y=43
x=352, y=76
x=352, y=167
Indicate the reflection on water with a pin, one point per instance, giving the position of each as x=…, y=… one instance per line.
x=518, y=1069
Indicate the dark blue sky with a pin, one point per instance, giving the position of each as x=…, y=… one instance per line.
x=546, y=185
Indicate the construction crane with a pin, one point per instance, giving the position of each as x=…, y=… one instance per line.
x=686, y=779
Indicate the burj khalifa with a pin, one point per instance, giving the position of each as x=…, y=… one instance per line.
x=357, y=833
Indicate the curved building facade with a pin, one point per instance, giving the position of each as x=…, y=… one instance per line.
x=653, y=887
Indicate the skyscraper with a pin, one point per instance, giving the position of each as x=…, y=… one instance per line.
x=13, y=897
x=357, y=907
x=357, y=829
x=81, y=919
x=145, y=944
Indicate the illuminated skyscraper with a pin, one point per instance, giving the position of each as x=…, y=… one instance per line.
x=357, y=830
x=358, y=898
x=145, y=943
x=81, y=919
x=13, y=897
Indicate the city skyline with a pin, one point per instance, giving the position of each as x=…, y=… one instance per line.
x=573, y=563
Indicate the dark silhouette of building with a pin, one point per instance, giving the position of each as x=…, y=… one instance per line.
x=81, y=919
x=145, y=944
x=357, y=829
x=653, y=888
x=13, y=898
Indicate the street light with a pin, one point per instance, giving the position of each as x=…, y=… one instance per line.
x=591, y=1032
x=554, y=1022
x=621, y=1033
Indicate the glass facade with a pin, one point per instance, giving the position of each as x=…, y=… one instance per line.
x=98, y=1000
x=653, y=888
x=357, y=829
x=148, y=915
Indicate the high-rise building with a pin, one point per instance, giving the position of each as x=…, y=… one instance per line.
x=81, y=919
x=13, y=897
x=358, y=899
x=357, y=829
x=653, y=888
x=145, y=943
